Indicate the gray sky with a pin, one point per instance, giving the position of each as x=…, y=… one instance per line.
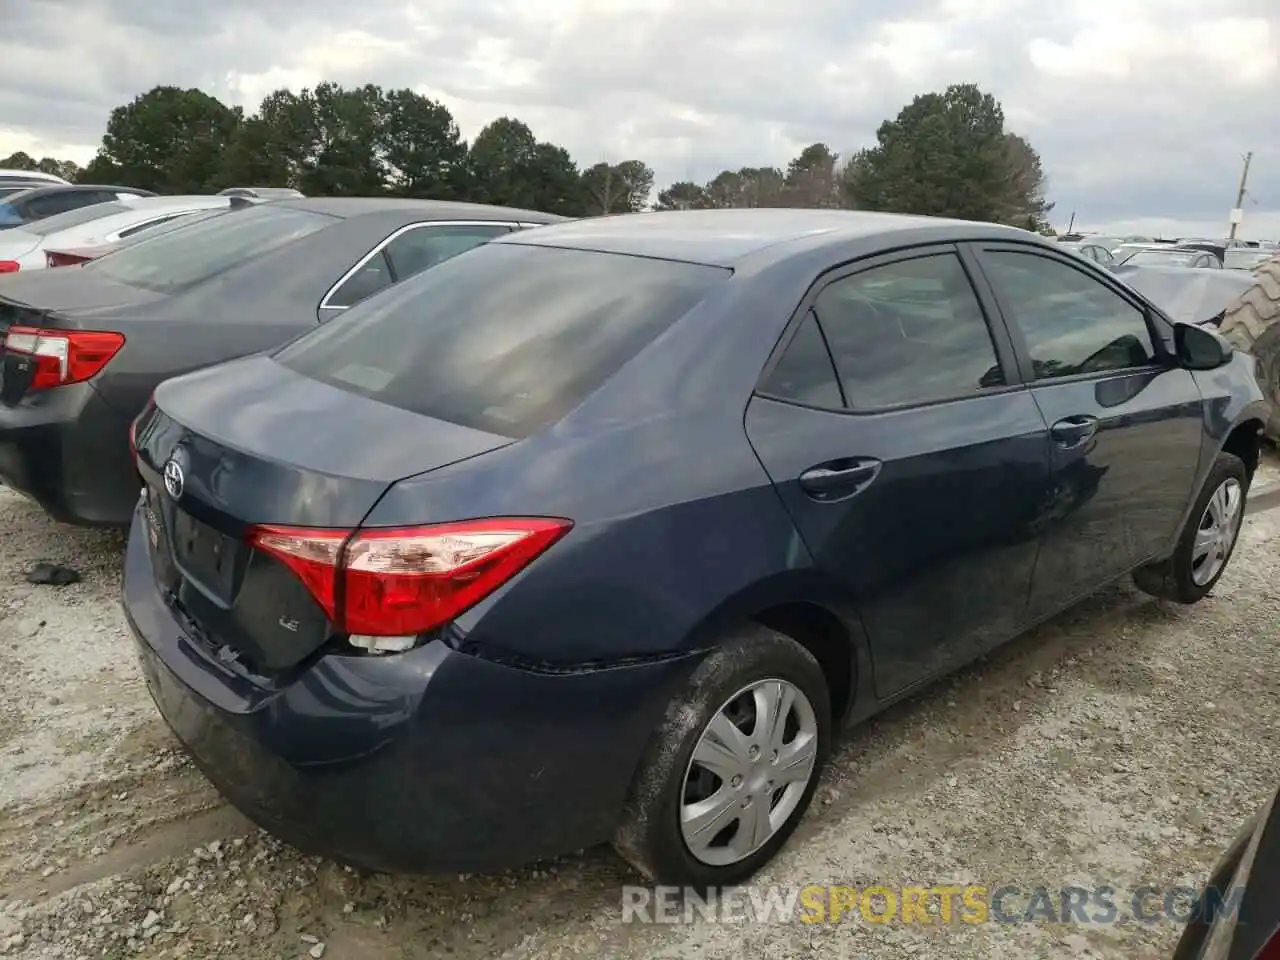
x=1142, y=110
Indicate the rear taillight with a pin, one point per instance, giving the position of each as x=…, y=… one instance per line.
x=9, y=266
x=63, y=356
x=400, y=583
x=56, y=259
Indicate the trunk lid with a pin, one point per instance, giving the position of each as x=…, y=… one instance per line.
x=250, y=444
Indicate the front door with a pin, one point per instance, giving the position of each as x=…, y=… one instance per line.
x=1125, y=422
x=910, y=461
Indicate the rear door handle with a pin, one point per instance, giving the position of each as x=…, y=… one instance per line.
x=1073, y=431
x=838, y=479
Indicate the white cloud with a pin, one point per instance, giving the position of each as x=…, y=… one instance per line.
x=1141, y=109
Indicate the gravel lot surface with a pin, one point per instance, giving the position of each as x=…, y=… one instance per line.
x=1122, y=744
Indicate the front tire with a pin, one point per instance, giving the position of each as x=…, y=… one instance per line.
x=1207, y=540
x=733, y=766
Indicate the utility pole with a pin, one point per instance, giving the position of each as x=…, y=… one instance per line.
x=1237, y=212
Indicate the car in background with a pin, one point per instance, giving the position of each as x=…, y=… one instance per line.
x=11, y=181
x=26, y=249
x=83, y=349
x=263, y=193
x=1237, y=916
x=1187, y=296
x=1096, y=252
x=1155, y=254
x=36, y=203
x=1246, y=258
x=78, y=256
x=630, y=514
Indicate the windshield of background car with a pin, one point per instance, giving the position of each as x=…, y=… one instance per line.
x=175, y=259
x=74, y=218
x=504, y=338
x=1168, y=258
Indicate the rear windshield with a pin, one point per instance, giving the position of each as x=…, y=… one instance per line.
x=504, y=338
x=174, y=259
x=73, y=218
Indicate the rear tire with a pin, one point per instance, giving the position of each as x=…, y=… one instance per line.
x=675, y=797
x=1207, y=540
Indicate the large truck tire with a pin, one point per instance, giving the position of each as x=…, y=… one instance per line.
x=1252, y=324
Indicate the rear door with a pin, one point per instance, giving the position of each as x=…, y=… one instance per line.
x=911, y=459
x=1124, y=420
x=408, y=251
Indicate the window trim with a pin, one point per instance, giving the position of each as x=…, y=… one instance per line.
x=511, y=226
x=1005, y=354
x=1160, y=338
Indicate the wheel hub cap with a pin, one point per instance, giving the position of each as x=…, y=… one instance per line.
x=1217, y=532
x=749, y=770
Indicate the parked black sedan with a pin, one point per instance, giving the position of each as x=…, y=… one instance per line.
x=83, y=348
x=36, y=203
x=598, y=531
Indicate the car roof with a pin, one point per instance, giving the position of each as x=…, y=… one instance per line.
x=429, y=209
x=58, y=188
x=10, y=173
x=723, y=238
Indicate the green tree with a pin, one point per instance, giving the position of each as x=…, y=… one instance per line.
x=499, y=162
x=747, y=187
x=617, y=187
x=506, y=165
x=947, y=154
x=812, y=180
x=684, y=195
x=341, y=148
x=58, y=168
x=422, y=147
x=168, y=139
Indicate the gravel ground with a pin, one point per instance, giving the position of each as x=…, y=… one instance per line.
x=1121, y=744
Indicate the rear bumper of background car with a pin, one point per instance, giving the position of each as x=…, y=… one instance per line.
x=430, y=760
x=68, y=451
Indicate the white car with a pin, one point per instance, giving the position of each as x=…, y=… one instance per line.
x=23, y=249
x=12, y=180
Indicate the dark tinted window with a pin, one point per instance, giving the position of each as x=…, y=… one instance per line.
x=804, y=373
x=52, y=204
x=1072, y=323
x=74, y=218
x=908, y=332
x=423, y=247
x=374, y=275
x=507, y=339
x=193, y=252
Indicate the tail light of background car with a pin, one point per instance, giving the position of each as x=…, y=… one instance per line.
x=63, y=356
x=385, y=587
x=9, y=266
x=58, y=259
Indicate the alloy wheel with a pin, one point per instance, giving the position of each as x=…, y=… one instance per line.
x=749, y=772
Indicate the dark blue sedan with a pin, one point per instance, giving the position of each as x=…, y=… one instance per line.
x=598, y=532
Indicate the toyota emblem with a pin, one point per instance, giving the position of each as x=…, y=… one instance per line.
x=173, y=479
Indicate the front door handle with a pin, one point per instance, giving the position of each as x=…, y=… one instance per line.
x=838, y=479
x=1071, y=432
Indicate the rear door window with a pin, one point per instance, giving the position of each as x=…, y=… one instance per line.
x=370, y=277
x=191, y=253
x=424, y=247
x=507, y=339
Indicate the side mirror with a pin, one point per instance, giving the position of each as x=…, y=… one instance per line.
x=1199, y=348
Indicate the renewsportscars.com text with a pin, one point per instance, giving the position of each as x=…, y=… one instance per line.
x=938, y=904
